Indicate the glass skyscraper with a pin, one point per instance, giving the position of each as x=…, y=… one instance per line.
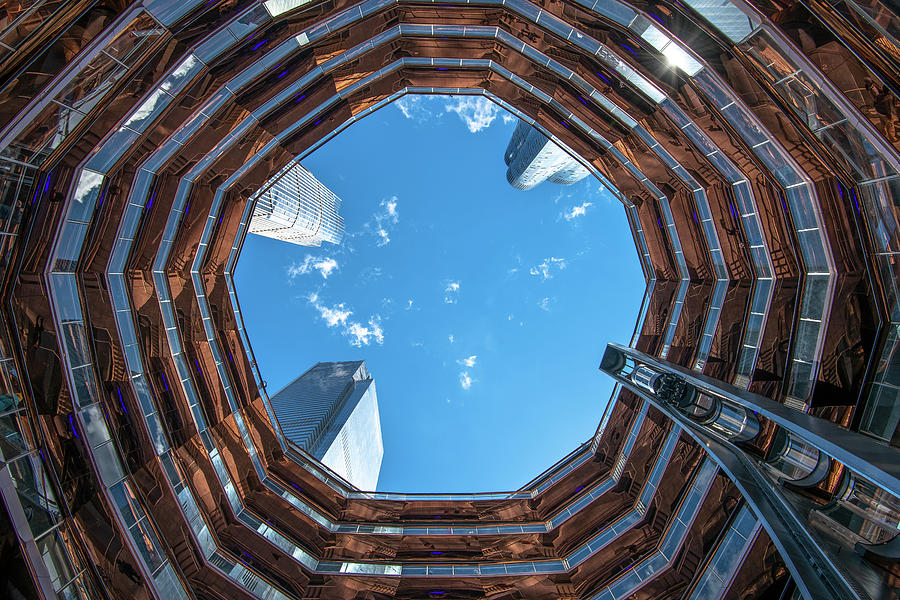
x=532, y=158
x=296, y=207
x=331, y=412
x=751, y=449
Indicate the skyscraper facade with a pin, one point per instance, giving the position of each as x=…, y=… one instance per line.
x=331, y=412
x=750, y=449
x=532, y=158
x=296, y=207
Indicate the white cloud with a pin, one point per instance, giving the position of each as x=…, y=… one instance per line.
x=451, y=292
x=464, y=380
x=418, y=107
x=361, y=335
x=545, y=303
x=468, y=362
x=409, y=304
x=324, y=265
x=577, y=211
x=407, y=105
x=146, y=109
x=451, y=338
x=339, y=315
x=385, y=220
x=545, y=269
x=88, y=183
x=390, y=207
x=333, y=316
x=477, y=112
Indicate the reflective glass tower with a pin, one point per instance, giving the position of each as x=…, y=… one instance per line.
x=296, y=207
x=532, y=158
x=751, y=448
x=331, y=412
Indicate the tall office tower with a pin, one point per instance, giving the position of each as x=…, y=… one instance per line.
x=331, y=412
x=751, y=449
x=533, y=158
x=296, y=207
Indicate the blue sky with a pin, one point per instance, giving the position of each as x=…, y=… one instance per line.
x=481, y=311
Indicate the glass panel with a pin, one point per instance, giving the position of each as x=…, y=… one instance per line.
x=147, y=545
x=23, y=18
x=805, y=341
x=69, y=249
x=726, y=17
x=45, y=132
x=89, y=86
x=168, y=585
x=882, y=412
x=814, y=292
x=95, y=429
x=35, y=493
x=15, y=186
x=11, y=441
x=76, y=590
x=56, y=558
x=66, y=296
x=76, y=344
x=126, y=503
x=108, y=465
x=86, y=391
x=128, y=46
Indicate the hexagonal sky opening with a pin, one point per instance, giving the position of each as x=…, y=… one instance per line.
x=481, y=311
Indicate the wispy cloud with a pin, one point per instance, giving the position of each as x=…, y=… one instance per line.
x=385, y=220
x=361, y=335
x=451, y=292
x=323, y=264
x=464, y=380
x=545, y=303
x=477, y=112
x=577, y=211
x=547, y=267
x=338, y=315
x=451, y=338
x=418, y=107
x=390, y=207
x=409, y=304
x=333, y=316
x=468, y=362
